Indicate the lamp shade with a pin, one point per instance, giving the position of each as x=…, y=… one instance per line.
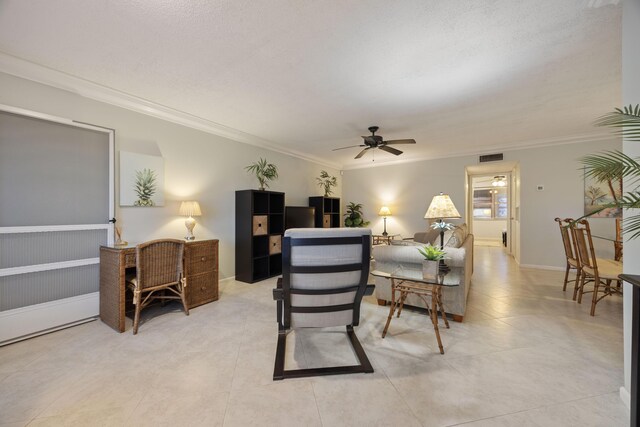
x=384, y=211
x=441, y=207
x=190, y=208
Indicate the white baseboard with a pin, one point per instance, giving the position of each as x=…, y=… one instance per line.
x=42, y=318
x=542, y=267
x=227, y=279
x=625, y=396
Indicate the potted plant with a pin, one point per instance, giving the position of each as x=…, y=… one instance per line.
x=354, y=216
x=432, y=256
x=264, y=172
x=613, y=166
x=327, y=182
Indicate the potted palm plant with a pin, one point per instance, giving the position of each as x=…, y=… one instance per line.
x=264, y=172
x=432, y=256
x=327, y=182
x=614, y=166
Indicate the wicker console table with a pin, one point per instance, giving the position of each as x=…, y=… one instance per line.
x=200, y=267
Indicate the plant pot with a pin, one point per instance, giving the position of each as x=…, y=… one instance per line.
x=430, y=269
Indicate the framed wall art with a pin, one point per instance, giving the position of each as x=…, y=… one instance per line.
x=598, y=193
x=141, y=180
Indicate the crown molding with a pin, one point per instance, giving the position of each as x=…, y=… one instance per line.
x=522, y=145
x=22, y=68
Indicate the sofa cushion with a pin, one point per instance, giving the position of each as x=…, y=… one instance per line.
x=425, y=237
x=457, y=238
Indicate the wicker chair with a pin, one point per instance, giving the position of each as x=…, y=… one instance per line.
x=324, y=277
x=573, y=263
x=617, y=244
x=597, y=270
x=158, y=268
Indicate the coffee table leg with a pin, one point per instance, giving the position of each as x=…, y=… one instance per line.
x=444, y=316
x=392, y=308
x=435, y=300
x=403, y=297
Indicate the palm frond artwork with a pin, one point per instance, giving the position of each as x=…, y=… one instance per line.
x=145, y=187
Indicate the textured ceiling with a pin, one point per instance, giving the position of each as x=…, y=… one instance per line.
x=458, y=76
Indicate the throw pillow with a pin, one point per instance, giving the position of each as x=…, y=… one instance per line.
x=457, y=238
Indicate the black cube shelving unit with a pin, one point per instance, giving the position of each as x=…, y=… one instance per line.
x=259, y=229
x=327, y=211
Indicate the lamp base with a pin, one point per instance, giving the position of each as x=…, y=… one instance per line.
x=190, y=223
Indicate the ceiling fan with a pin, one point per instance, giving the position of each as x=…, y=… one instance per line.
x=376, y=141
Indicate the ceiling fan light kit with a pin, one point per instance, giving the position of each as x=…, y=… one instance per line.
x=375, y=141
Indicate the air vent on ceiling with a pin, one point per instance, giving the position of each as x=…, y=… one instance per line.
x=491, y=158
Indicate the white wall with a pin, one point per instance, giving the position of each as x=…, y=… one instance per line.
x=630, y=95
x=408, y=188
x=198, y=166
x=489, y=229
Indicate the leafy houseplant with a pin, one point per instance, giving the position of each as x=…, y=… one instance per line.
x=432, y=256
x=327, y=181
x=145, y=187
x=264, y=172
x=432, y=253
x=354, y=216
x=614, y=166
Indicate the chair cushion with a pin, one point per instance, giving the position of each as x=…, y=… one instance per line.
x=131, y=279
x=608, y=269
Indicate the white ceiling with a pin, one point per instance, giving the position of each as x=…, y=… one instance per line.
x=309, y=76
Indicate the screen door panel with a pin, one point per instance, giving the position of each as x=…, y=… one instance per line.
x=52, y=173
x=56, y=187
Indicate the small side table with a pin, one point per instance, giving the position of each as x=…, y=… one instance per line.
x=409, y=281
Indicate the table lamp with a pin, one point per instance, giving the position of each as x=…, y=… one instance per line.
x=442, y=207
x=384, y=212
x=190, y=208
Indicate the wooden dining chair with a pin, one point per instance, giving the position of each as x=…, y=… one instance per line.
x=617, y=244
x=573, y=263
x=601, y=272
x=159, y=275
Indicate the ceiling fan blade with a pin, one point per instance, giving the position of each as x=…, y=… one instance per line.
x=351, y=146
x=360, y=154
x=390, y=150
x=401, y=141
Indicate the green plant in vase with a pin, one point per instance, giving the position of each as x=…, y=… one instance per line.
x=432, y=253
x=432, y=257
x=145, y=187
x=354, y=216
x=263, y=171
x=327, y=182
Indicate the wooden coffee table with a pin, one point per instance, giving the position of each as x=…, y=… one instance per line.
x=408, y=281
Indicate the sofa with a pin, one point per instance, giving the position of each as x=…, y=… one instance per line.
x=459, y=253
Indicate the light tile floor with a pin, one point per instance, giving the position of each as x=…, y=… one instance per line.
x=526, y=355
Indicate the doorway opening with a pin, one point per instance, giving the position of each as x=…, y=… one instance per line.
x=493, y=205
